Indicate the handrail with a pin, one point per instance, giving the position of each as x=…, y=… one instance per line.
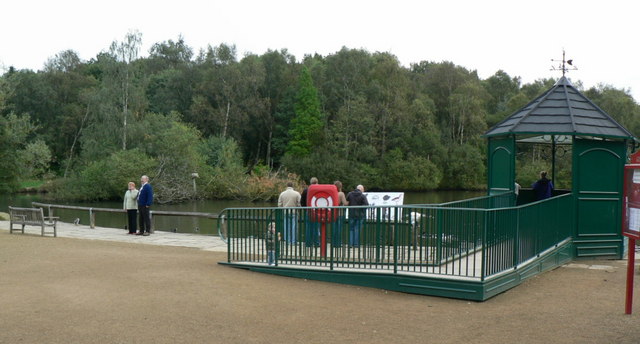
x=475, y=242
x=92, y=211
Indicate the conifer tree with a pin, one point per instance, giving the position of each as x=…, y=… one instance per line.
x=306, y=127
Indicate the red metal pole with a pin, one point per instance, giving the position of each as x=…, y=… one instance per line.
x=630, y=269
x=323, y=244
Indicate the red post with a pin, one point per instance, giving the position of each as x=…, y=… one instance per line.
x=628, y=306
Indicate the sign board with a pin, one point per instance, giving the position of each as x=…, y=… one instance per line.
x=382, y=199
x=631, y=220
x=631, y=198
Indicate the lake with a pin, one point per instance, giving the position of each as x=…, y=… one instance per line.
x=193, y=224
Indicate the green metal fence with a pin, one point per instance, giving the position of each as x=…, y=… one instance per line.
x=515, y=235
x=506, y=199
x=479, y=240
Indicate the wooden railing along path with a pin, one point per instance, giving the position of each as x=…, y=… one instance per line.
x=92, y=212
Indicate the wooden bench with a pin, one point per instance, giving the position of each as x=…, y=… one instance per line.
x=31, y=217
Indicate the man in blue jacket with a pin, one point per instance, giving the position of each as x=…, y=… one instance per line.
x=357, y=216
x=543, y=188
x=145, y=200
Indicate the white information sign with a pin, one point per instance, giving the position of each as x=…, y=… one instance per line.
x=384, y=199
x=636, y=176
x=634, y=219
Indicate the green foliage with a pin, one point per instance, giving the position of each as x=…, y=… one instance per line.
x=618, y=104
x=243, y=124
x=34, y=159
x=106, y=178
x=224, y=158
x=174, y=146
x=410, y=173
x=501, y=87
x=306, y=126
x=14, y=131
x=31, y=184
x=535, y=158
x=465, y=168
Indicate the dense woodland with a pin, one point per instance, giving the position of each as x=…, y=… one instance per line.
x=246, y=124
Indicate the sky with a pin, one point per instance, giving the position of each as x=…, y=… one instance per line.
x=518, y=37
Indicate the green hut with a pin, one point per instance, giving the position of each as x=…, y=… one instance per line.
x=599, y=148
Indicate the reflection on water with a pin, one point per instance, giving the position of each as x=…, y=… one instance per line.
x=193, y=224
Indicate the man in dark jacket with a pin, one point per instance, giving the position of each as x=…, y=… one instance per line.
x=303, y=196
x=145, y=200
x=312, y=231
x=543, y=187
x=356, y=215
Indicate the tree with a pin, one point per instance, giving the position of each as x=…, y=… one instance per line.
x=169, y=55
x=174, y=145
x=280, y=75
x=467, y=112
x=501, y=87
x=465, y=169
x=440, y=81
x=125, y=52
x=214, y=109
x=171, y=77
x=13, y=136
x=306, y=126
x=410, y=173
x=34, y=159
x=619, y=104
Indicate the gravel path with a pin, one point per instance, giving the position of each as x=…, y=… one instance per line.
x=69, y=290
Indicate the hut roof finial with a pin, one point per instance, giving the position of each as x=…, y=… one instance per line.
x=562, y=64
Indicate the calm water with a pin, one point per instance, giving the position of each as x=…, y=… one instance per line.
x=194, y=225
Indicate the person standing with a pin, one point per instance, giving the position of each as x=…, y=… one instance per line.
x=356, y=215
x=303, y=199
x=145, y=200
x=543, y=188
x=130, y=205
x=312, y=231
x=270, y=242
x=336, y=235
x=289, y=198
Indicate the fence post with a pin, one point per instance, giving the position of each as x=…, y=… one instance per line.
x=439, y=231
x=485, y=224
x=151, y=229
x=92, y=219
x=516, y=240
x=396, y=230
x=378, y=233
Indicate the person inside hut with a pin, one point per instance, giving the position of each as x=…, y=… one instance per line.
x=543, y=188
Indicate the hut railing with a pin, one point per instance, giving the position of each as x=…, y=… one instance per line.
x=442, y=240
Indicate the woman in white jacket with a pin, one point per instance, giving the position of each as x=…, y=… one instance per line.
x=131, y=206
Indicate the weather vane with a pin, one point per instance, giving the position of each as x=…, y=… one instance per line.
x=563, y=65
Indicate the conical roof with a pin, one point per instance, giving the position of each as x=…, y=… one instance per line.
x=562, y=110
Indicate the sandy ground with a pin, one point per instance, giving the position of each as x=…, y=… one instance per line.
x=61, y=290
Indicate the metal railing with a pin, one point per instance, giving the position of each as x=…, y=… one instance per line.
x=92, y=212
x=506, y=199
x=518, y=234
x=474, y=242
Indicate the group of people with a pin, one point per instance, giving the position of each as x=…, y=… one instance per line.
x=291, y=198
x=542, y=188
x=139, y=202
